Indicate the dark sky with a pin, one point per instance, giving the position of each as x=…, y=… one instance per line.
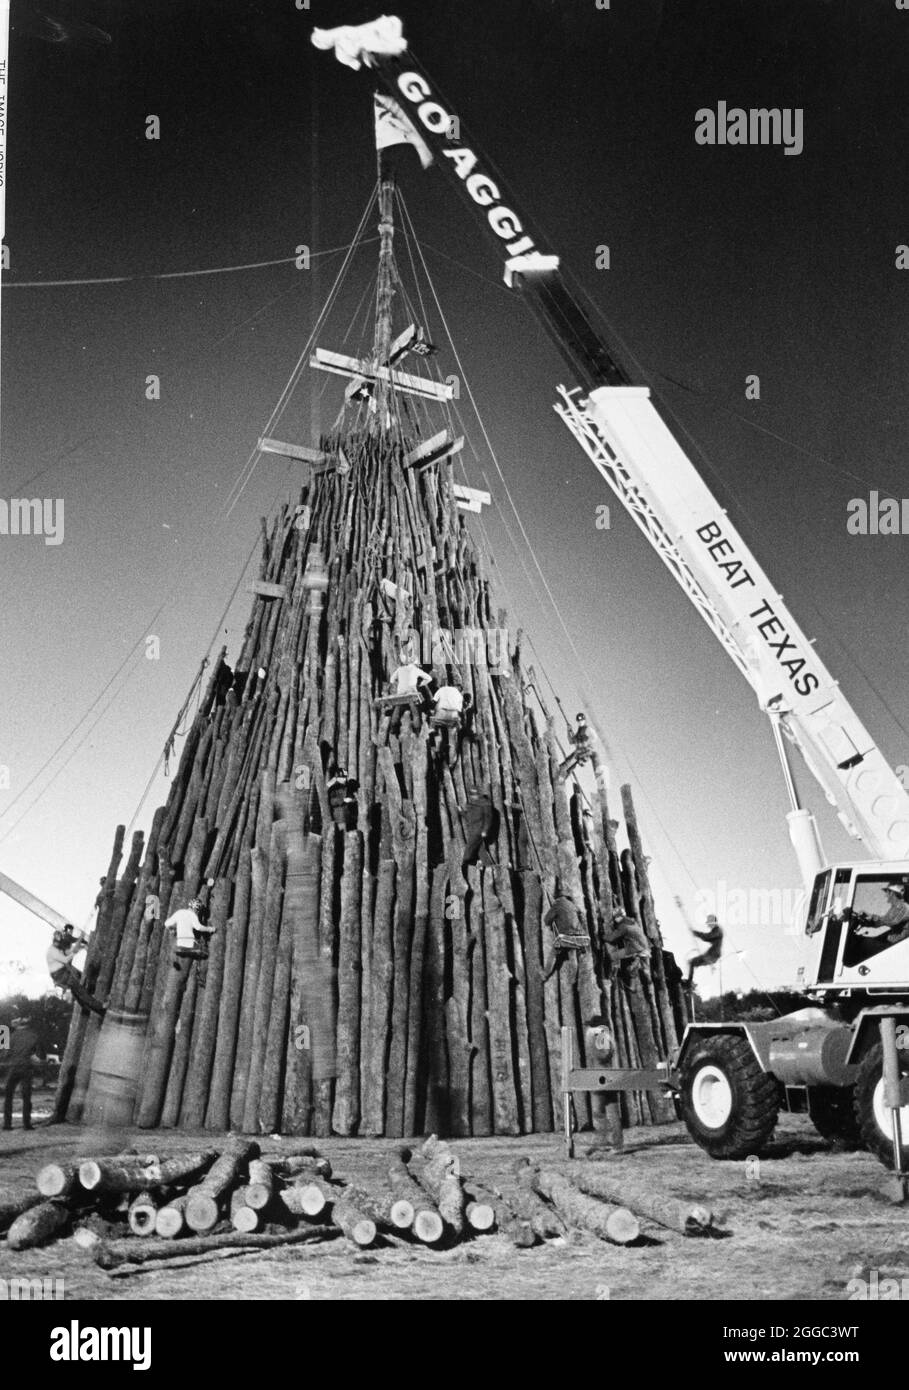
x=724, y=262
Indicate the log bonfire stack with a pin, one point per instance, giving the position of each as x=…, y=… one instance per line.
x=358, y=982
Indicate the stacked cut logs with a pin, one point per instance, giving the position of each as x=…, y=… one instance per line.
x=133, y=1209
x=359, y=982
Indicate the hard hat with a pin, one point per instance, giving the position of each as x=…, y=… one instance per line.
x=896, y=888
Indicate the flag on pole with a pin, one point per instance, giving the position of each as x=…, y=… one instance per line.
x=394, y=128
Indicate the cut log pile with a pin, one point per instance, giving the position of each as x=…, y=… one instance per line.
x=361, y=981
x=137, y=1209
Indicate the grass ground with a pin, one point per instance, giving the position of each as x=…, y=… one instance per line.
x=800, y=1227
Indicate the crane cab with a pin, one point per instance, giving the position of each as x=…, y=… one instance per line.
x=849, y=948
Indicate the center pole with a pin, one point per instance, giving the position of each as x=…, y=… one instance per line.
x=385, y=287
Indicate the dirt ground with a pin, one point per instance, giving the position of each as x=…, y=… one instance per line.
x=799, y=1227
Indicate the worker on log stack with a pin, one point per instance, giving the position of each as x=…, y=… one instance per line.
x=25, y=1052
x=448, y=707
x=64, y=946
x=408, y=679
x=342, y=797
x=192, y=934
x=582, y=741
x=569, y=932
x=627, y=946
x=714, y=938
x=479, y=817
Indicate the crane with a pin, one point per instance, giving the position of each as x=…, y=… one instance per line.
x=733, y=1077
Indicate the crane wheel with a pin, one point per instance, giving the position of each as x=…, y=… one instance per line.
x=729, y=1103
x=832, y=1110
x=872, y=1115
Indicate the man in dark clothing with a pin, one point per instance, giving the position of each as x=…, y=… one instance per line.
x=714, y=938
x=24, y=1051
x=569, y=932
x=64, y=945
x=627, y=945
x=342, y=798
x=478, y=820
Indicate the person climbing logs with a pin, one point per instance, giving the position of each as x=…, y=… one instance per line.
x=581, y=739
x=64, y=946
x=478, y=823
x=445, y=721
x=192, y=934
x=342, y=798
x=714, y=938
x=627, y=946
x=569, y=932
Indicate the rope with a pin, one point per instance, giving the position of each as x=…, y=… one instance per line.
x=246, y=472
x=167, y=274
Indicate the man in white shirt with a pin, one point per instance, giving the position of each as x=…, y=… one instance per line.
x=192, y=933
x=407, y=678
x=448, y=705
x=64, y=945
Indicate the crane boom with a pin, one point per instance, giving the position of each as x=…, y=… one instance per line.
x=628, y=441
x=21, y=895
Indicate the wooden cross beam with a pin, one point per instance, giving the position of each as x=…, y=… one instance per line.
x=262, y=589
x=471, y=499
x=441, y=446
x=291, y=451
x=336, y=362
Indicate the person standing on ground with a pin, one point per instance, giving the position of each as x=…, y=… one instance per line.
x=25, y=1051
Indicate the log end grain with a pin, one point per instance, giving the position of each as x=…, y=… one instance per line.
x=480, y=1216
x=90, y=1175
x=402, y=1214
x=312, y=1200
x=169, y=1222
x=622, y=1226
x=428, y=1226
x=201, y=1212
x=142, y=1214
x=243, y=1218
x=54, y=1181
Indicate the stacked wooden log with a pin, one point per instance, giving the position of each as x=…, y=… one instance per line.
x=138, y=1208
x=360, y=981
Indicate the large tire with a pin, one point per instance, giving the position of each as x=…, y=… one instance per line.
x=872, y=1115
x=729, y=1103
x=832, y=1110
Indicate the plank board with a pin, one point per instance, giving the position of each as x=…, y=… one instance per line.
x=325, y=361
